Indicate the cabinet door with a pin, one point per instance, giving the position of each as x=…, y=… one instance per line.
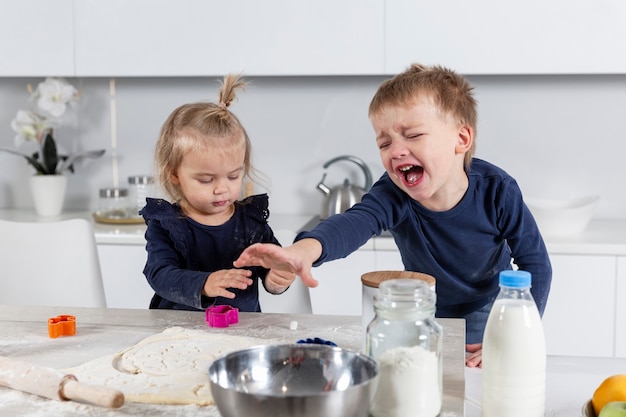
x=125, y=286
x=389, y=260
x=339, y=290
x=620, y=309
x=507, y=37
x=211, y=38
x=579, y=319
x=36, y=38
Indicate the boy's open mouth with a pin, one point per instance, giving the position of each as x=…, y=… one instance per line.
x=411, y=174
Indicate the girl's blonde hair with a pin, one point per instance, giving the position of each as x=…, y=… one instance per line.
x=200, y=127
x=451, y=93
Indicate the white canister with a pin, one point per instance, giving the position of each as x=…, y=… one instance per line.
x=369, y=288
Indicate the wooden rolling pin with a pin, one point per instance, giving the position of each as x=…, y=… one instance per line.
x=54, y=384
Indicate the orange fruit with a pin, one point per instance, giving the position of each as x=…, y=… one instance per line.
x=611, y=389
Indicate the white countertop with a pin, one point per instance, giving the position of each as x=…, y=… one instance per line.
x=601, y=237
x=570, y=383
x=124, y=234
x=101, y=332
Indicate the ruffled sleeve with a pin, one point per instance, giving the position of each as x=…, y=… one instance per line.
x=257, y=207
x=169, y=216
x=159, y=209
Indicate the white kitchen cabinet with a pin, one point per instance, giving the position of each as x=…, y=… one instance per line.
x=388, y=260
x=125, y=285
x=210, y=38
x=579, y=319
x=620, y=309
x=339, y=290
x=36, y=38
x=507, y=37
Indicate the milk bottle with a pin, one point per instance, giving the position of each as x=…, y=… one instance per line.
x=514, y=352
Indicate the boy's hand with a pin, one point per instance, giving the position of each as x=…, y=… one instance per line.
x=297, y=258
x=474, y=359
x=276, y=281
x=217, y=282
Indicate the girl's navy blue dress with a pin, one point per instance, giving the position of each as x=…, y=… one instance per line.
x=183, y=252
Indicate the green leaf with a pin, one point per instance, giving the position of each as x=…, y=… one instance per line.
x=50, y=158
x=31, y=160
x=68, y=162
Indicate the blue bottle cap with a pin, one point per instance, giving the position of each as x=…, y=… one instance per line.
x=515, y=279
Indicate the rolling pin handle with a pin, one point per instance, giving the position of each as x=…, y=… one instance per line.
x=71, y=389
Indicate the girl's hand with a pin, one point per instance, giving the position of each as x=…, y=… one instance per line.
x=297, y=258
x=475, y=357
x=278, y=281
x=217, y=282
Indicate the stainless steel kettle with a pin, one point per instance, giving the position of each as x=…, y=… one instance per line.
x=342, y=197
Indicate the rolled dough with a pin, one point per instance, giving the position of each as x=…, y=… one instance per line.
x=171, y=367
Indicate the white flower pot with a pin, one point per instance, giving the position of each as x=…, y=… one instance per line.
x=48, y=194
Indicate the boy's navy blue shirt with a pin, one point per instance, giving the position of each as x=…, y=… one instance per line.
x=183, y=252
x=464, y=248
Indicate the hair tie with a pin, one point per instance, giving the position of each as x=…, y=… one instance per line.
x=222, y=105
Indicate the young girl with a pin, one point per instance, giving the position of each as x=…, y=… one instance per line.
x=202, y=157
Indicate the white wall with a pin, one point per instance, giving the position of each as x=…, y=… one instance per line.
x=558, y=135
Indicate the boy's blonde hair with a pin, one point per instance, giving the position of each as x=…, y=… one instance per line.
x=451, y=93
x=200, y=127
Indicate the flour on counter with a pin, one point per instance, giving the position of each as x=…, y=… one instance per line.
x=12, y=403
x=170, y=367
x=408, y=384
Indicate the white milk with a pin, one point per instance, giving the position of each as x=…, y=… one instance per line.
x=514, y=361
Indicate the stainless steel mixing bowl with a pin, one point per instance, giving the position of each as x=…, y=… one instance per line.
x=299, y=380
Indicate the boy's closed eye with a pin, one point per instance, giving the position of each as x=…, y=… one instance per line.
x=414, y=135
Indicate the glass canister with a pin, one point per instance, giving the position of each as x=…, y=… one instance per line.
x=370, y=281
x=406, y=340
x=141, y=187
x=113, y=203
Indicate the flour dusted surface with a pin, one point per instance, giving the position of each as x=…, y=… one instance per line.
x=170, y=367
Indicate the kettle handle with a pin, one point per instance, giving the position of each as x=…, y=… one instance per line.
x=359, y=162
x=322, y=187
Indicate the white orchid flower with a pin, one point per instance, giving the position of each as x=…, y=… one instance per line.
x=53, y=95
x=30, y=126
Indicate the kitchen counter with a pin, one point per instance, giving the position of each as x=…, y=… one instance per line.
x=601, y=237
x=100, y=332
x=133, y=234
x=570, y=383
x=121, y=234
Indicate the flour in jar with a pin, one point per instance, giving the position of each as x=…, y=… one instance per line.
x=408, y=384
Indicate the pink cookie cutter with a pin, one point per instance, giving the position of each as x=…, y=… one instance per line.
x=222, y=316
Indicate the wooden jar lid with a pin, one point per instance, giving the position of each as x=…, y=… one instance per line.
x=373, y=279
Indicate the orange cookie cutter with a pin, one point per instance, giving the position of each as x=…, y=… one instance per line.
x=63, y=325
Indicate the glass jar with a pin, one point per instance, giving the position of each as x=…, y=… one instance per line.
x=141, y=187
x=407, y=342
x=113, y=203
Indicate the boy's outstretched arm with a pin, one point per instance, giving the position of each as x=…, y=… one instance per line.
x=297, y=258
